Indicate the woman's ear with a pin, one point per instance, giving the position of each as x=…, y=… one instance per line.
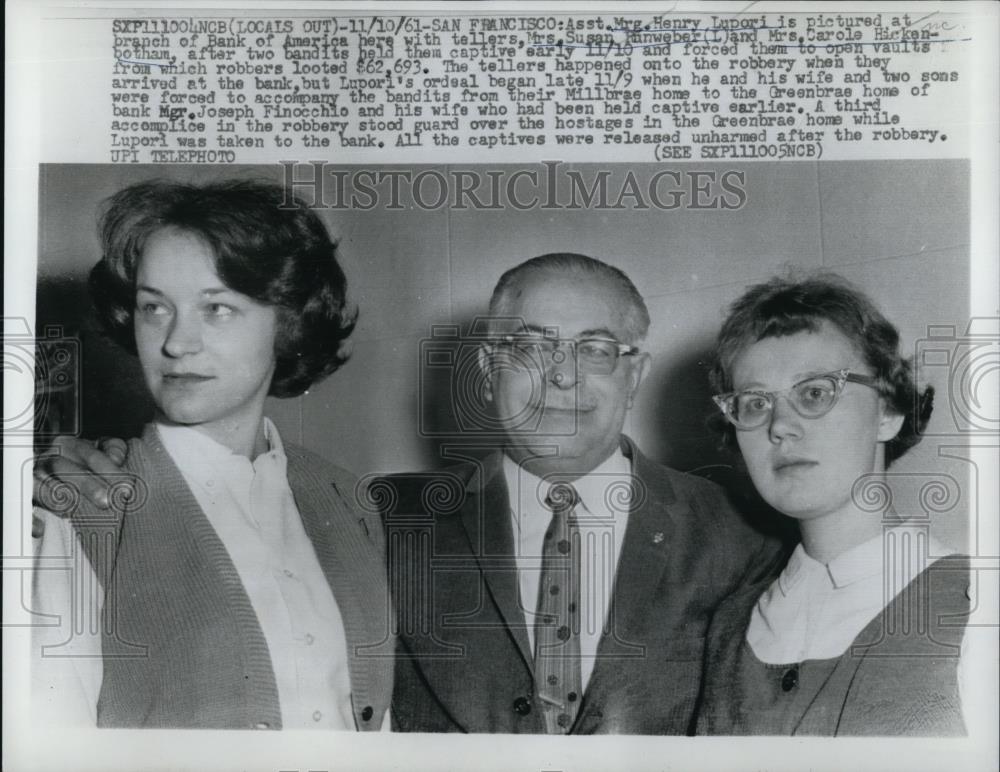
x=484, y=366
x=889, y=423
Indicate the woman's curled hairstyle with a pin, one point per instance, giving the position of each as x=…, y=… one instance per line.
x=784, y=307
x=267, y=244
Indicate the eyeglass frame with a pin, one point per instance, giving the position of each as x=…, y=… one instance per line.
x=842, y=377
x=621, y=349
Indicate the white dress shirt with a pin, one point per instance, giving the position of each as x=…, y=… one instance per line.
x=66, y=664
x=602, y=514
x=251, y=508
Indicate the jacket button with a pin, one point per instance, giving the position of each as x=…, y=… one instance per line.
x=262, y=725
x=790, y=679
x=367, y=713
x=522, y=706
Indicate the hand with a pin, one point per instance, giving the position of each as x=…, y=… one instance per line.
x=80, y=464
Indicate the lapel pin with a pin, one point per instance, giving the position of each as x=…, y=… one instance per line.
x=657, y=537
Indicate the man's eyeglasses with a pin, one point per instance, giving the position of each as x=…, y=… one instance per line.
x=812, y=398
x=594, y=356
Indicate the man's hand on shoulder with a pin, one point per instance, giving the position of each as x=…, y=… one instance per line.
x=72, y=470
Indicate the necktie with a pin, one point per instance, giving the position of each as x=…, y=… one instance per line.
x=558, y=679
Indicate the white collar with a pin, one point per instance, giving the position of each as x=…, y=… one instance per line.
x=863, y=561
x=198, y=455
x=593, y=488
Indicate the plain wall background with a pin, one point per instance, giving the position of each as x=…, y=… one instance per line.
x=899, y=229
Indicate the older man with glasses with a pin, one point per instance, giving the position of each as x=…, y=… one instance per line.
x=566, y=584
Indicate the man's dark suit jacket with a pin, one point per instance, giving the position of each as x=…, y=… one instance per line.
x=463, y=660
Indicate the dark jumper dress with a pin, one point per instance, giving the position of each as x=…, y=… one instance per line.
x=898, y=678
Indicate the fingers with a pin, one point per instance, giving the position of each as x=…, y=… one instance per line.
x=71, y=470
x=95, y=459
x=114, y=448
x=71, y=448
x=60, y=485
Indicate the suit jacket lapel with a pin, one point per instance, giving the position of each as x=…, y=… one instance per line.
x=644, y=557
x=487, y=522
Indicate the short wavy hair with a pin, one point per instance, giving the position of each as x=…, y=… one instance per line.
x=786, y=306
x=637, y=316
x=267, y=245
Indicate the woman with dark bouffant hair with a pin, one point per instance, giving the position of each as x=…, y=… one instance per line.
x=239, y=587
x=861, y=632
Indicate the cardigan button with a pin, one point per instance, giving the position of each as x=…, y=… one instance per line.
x=367, y=713
x=522, y=706
x=790, y=679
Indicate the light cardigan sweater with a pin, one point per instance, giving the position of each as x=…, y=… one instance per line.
x=182, y=646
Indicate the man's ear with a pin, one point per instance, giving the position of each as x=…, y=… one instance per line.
x=638, y=371
x=484, y=356
x=889, y=423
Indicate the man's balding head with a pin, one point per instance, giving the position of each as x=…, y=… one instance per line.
x=513, y=281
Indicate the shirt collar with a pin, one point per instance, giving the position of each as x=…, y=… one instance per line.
x=275, y=447
x=200, y=456
x=910, y=544
x=798, y=569
x=900, y=550
x=593, y=488
x=859, y=562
